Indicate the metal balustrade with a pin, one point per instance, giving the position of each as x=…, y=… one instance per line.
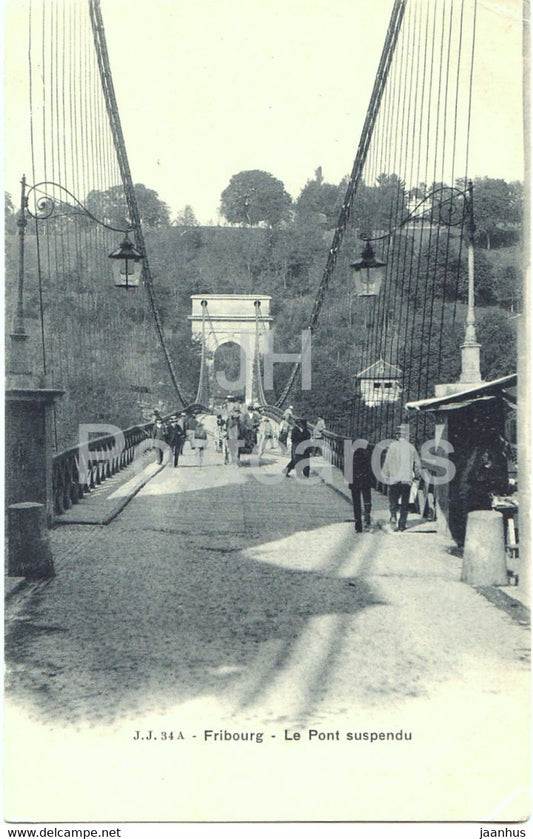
x=77, y=471
x=80, y=469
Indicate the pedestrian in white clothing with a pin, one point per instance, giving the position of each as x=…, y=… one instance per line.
x=401, y=466
x=318, y=436
x=265, y=436
x=200, y=441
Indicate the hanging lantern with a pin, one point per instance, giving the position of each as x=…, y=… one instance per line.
x=368, y=273
x=127, y=264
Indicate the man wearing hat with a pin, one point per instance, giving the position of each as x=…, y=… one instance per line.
x=177, y=437
x=288, y=414
x=300, y=433
x=159, y=436
x=400, y=467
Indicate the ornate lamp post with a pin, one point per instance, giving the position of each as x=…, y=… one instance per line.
x=127, y=263
x=127, y=260
x=29, y=490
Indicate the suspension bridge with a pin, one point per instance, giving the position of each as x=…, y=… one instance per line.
x=397, y=288
x=408, y=204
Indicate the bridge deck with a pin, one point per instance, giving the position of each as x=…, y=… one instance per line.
x=216, y=601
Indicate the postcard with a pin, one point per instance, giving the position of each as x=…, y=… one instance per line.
x=267, y=361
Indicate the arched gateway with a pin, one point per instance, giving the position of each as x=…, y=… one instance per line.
x=242, y=319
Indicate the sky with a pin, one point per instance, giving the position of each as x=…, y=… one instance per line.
x=210, y=88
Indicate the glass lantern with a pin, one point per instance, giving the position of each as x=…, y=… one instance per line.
x=127, y=264
x=368, y=273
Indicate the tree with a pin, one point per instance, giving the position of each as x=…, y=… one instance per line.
x=498, y=205
x=381, y=207
x=497, y=335
x=305, y=256
x=320, y=199
x=153, y=211
x=509, y=282
x=186, y=217
x=110, y=207
x=255, y=196
x=443, y=266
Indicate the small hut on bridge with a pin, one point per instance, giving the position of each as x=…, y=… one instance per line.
x=380, y=383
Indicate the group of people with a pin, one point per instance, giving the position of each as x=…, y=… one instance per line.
x=246, y=430
x=175, y=432
x=239, y=431
x=236, y=432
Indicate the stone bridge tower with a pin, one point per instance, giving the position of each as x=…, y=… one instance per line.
x=242, y=319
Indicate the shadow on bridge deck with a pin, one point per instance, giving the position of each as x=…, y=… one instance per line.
x=204, y=586
x=239, y=591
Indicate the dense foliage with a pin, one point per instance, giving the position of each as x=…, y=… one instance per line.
x=277, y=247
x=110, y=207
x=255, y=196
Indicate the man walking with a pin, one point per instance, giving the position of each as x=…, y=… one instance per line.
x=265, y=435
x=360, y=487
x=318, y=436
x=200, y=440
x=159, y=436
x=300, y=433
x=400, y=467
x=178, y=439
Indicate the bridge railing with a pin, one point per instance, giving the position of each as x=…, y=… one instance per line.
x=80, y=469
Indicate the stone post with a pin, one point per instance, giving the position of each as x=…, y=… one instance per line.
x=29, y=550
x=28, y=442
x=484, y=551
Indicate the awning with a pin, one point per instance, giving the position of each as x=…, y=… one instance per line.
x=486, y=390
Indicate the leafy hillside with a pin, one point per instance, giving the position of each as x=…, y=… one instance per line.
x=106, y=352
